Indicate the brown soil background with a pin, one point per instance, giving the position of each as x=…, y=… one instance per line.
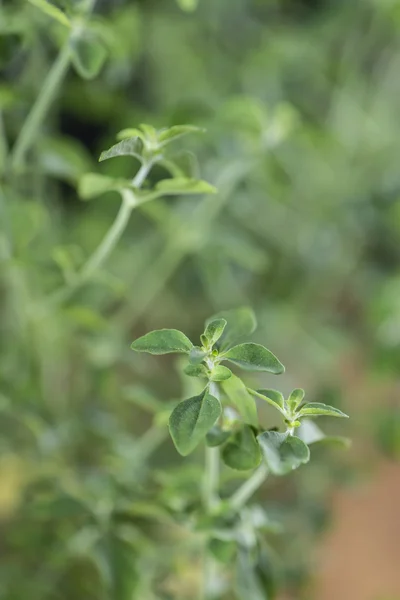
x=359, y=559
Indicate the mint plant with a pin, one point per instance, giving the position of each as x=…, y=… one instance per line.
x=224, y=416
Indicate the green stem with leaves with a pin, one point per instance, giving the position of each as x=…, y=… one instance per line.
x=109, y=241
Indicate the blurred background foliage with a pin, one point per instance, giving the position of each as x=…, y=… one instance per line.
x=300, y=102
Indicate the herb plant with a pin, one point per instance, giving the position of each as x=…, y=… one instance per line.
x=95, y=517
x=224, y=417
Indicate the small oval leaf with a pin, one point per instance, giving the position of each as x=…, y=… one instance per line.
x=295, y=398
x=242, y=452
x=317, y=409
x=273, y=397
x=196, y=371
x=127, y=147
x=192, y=419
x=283, y=453
x=214, y=330
x=217, y=436
x=197, y=355
x=254, y=357
x=220, y=373
x=163, y=341
x=88, y=53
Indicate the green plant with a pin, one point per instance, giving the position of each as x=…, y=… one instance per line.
x=224, y=416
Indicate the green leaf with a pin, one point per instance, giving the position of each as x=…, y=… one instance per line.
x=214, y=330
x=295, y=399
x=188, y=5
x=127, y=147
x=316, y=409
x=242, y=452
x=52, y=11
x=248, y=585
x=183, y=185
x=310, y=433
x=241, y=322
x=254, y=357
x=220, y=373
x=163, y=341
x=217, y=436
x=273, y=397
x=130, y=132
x=222, y=550
x=192, y=419
x=197, y=355
x=283, y=453
x=165, y=136
x=196, y=371
x=88, y=53
x=238, y=395
x=92, y=185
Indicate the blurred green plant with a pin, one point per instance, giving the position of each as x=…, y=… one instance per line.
x=300, y=104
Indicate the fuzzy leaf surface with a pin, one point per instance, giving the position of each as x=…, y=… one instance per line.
x=192, y=419
x=163, y=341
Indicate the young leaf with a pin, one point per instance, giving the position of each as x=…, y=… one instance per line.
x=214, y=330
x=283, y=453
x=295, y=398
x=273, y=397
x=192, y=419
x=217, y=436
x=182, y=185
x=127, y=147
x=220, y=373
x=130, y=132
x=242, y=452
x=52, y=11
x=196, y=371
x=241, y=322
x=165, y=136
x=163, y=341
x=94, y=184
x=316, y=409
x=238, y=395
x=88, y=53
x=197, y=355
x=254, y=357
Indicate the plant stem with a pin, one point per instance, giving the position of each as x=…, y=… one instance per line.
x=211, y=477
x=210, y=498
x=111, y=238
x=3, y=144
x=40, y=108
x=109, y=241
x=244, y=493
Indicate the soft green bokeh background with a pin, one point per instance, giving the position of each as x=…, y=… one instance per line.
x=300, y=101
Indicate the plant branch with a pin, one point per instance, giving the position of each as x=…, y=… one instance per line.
x=110, y=240
x=245, y=492
x=40, y=108
x=210, y=498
